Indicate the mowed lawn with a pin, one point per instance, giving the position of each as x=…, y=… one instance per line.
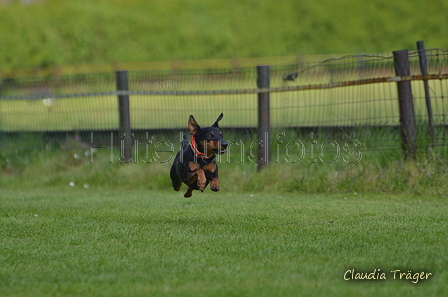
x=72, y=241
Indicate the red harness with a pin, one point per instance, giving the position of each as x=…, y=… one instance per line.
x=195, y=149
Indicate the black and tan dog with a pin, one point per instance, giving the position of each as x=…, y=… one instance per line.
x=195, y=164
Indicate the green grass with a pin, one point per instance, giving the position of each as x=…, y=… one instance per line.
x=50, y=32
x=292, y=230
x=71, y=241
x=29, y=161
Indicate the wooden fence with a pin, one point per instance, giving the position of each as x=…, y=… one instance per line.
x=360, y=95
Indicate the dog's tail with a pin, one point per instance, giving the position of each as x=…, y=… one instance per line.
x=184, y=142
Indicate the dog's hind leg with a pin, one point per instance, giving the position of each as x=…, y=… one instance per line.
x=177, y=183
x=189, y=192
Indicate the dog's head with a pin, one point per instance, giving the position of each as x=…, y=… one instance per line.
x=209, y=140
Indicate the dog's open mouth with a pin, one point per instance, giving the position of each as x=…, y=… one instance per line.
x=219, y=152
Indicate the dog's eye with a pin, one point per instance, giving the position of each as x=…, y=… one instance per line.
x=209, y=136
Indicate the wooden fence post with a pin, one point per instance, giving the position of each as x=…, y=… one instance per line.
x=125, y=118
x=406, y=105
x=424, y=71
x=263, y=82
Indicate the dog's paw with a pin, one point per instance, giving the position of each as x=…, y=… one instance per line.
x=188, y=193
x=214, y=184
x=201, y=185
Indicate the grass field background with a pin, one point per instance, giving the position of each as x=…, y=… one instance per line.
x=78, y=222
x=75, y=228
x=76, y=241
x=104, y=31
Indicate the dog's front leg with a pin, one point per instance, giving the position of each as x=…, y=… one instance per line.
x=214, y=184
x=202, y=180
x=197, y=174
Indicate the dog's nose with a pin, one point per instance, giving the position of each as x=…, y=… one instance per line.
x=224, y=144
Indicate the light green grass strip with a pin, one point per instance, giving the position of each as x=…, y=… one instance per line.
x=375, y=104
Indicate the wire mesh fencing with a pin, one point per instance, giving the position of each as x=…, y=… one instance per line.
x=353, y=97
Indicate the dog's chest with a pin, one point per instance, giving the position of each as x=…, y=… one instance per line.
x=206, y=165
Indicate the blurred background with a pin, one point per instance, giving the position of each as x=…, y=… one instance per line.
x=332, y=79
x=49, y=33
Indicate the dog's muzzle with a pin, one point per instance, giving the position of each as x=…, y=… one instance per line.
x=223, y=147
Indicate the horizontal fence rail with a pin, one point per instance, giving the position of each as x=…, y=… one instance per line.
x=242, y=91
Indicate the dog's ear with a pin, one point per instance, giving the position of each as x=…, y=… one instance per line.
x=215, y=124
x=193, y=126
